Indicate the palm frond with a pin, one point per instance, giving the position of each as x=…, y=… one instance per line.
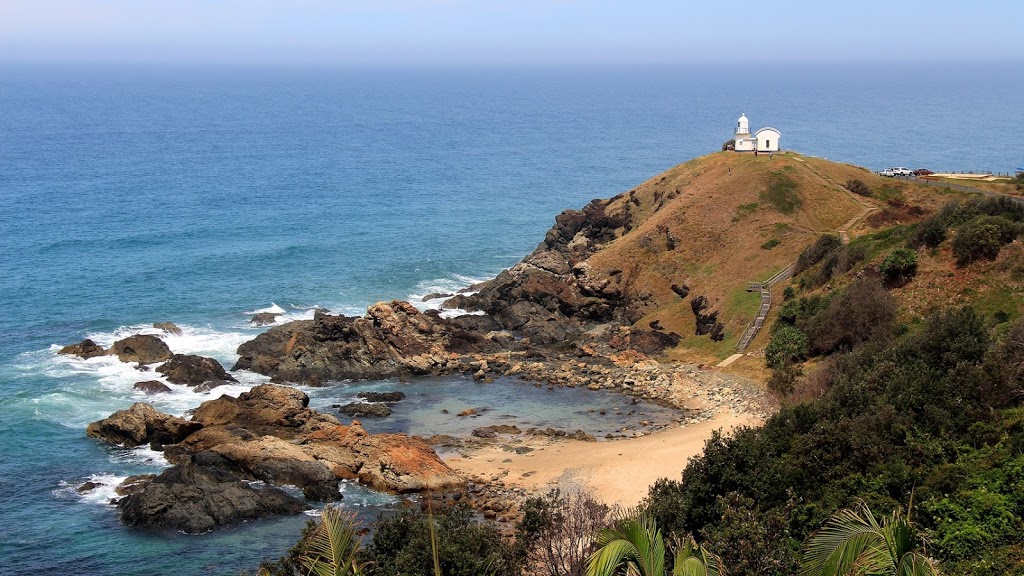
x=836, y=549
x=914, y=564
x=332, y=548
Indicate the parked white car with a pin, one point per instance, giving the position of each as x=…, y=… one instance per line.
x=887, y=172
x=901, y=171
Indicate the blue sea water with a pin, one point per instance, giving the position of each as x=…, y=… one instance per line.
x=130, y=195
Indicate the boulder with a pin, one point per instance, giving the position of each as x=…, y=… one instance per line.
x=194, y=370
x=382, y=396
x=267, y=409
x=168, y=328
x=141, y=424
x=264, y=318
x=395, y=463
x=366, y=410
x=141, y=348
x=85, y=349
x=152, y=387
x=197, y=499
x=280, y=462
x=494, y=430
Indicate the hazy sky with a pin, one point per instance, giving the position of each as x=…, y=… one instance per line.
x=474, y=32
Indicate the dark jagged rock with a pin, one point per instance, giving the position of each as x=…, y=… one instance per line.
x=435, y=296
x=85, y=349
x=86, y=487
x=168, y=327
x=196, y=499
x=152, y=387
x=264, y=318
x=365, y=410
x=141, y=424
x=382, y=396
x=193, y=370
x=141, y=348
x=392, y=339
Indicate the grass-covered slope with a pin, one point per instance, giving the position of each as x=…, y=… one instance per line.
x=715, y=224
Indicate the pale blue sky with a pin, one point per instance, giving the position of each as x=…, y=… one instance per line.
x=500, y=32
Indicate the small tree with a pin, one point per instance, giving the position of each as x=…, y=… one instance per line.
x=558, y=531
x=899, y=265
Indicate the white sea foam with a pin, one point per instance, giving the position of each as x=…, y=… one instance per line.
x=87, y=390
x=102, y=494
x=454, y=284
x=272, y=309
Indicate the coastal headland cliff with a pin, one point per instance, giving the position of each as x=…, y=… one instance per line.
x=639, y=293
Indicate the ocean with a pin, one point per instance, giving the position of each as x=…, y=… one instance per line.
x=131, y=195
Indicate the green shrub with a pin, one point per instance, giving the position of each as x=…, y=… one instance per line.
x=788, y=345
x=858, y=187
x=814, y=253
x=983, y=237
x=788, y=293
x=899, y=265
x=770, y=244
x=781, y=193
x=930, y=233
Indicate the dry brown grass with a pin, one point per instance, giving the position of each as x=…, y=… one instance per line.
x=717, y=254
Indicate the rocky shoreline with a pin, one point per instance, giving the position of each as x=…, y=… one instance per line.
x=552, y=319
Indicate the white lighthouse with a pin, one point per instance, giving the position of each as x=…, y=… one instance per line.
x=764, y=140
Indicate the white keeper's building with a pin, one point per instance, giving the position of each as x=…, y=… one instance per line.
x=764, y=140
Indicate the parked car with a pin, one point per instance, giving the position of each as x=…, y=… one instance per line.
x=923, y=172
x=901, y=171
x=887, y=172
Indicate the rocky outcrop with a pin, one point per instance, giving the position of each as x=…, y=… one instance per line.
x=193, y=370
x=196, y=499
x=141, y=424
x=393, y=338
x=365, y=409
x=554, y=294
x=152, y=387
x=268, y=434
x=168, y=328
x=264, y=318
x=85, y=349
x=141, y=348
x=393, y=396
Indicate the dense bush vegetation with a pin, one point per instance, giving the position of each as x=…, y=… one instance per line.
x=984, y=226
x=934, y=411
x=401, y=545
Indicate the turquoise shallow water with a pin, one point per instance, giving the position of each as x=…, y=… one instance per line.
x=134, y=195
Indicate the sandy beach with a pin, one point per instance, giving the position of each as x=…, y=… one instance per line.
x=618, y=472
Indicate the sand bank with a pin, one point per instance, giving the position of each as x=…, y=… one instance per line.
x=616, y=471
